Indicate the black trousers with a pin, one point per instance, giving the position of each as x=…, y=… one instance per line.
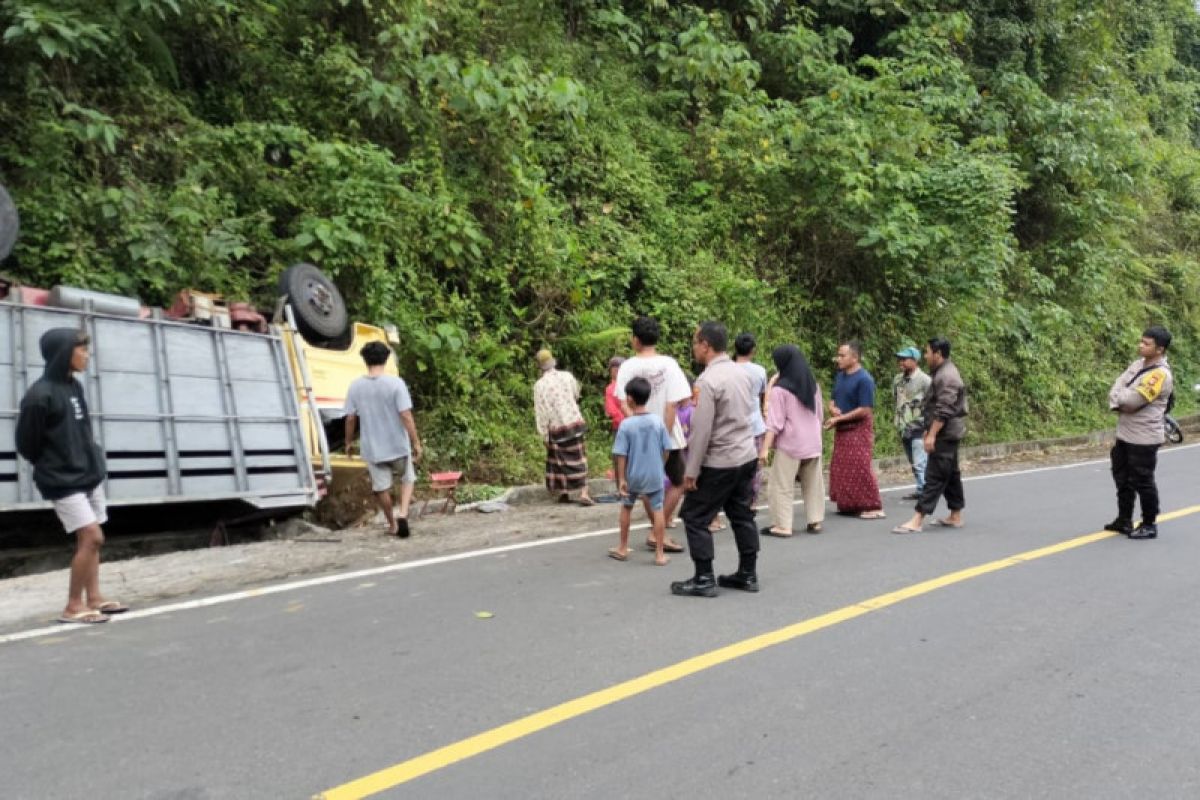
x=942, y=478
x=730, y=490
x=1133, y=472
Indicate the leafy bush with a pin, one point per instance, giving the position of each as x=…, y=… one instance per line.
x=495, y=176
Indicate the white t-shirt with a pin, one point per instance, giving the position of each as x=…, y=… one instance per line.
x=668, y=384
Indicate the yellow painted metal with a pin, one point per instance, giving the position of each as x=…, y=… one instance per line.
x=332, y=372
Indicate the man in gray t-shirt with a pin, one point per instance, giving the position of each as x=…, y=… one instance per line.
x=390, y=444
x=744, y=347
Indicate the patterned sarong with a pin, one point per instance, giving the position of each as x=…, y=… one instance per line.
x=852, y=483
x=566, y=459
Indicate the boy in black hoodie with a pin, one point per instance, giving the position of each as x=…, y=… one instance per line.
x=54, y=433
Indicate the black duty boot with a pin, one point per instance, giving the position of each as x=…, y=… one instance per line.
x=746, y=581
x=1145, y=531
x=703, y=585
x=1120, y=525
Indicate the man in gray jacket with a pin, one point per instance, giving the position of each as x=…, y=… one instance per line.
x=945, y=412
x=1140, y=398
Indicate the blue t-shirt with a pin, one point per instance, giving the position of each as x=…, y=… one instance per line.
x=642, y=439
x=854, y=391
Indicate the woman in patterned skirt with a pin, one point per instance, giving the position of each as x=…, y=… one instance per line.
x=562, y=428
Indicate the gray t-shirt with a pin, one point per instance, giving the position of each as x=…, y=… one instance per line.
x=378, y=401
x=757, y=425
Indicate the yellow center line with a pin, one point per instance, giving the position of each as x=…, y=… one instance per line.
x=443, y=757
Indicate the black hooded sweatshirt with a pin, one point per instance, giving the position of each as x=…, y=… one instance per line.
x=54, y=431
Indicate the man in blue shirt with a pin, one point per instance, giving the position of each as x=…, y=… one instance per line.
x=852, y=482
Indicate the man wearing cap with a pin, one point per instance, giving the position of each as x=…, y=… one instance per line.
x=612, y=406
x=908, y=390
x=54, y=433
x=562, y=428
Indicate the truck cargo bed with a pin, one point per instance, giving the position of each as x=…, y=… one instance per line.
x=184, y=413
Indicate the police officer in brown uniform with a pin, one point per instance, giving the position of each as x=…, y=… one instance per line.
x=1141, y=398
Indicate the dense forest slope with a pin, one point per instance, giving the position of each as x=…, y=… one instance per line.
x=498, y=175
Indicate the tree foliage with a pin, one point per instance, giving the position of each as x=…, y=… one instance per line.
x=1019, y=175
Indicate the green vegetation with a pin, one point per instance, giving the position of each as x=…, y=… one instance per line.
x=498, y=175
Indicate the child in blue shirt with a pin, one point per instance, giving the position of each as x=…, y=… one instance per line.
x=639, y=453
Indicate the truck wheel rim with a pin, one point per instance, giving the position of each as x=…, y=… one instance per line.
x=319, y=297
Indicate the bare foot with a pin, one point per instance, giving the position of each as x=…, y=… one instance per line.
x=662, y=560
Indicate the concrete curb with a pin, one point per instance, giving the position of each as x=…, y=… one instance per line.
x=534, y=494
x=990, y=452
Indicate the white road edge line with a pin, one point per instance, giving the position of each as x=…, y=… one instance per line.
x=245, y=594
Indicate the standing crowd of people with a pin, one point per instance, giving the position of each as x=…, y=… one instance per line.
x=697, y=448
x=740, y=423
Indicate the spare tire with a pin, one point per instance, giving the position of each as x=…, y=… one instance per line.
x=9, y=224
x=321, y=315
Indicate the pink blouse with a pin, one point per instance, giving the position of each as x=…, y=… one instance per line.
x=797, y=430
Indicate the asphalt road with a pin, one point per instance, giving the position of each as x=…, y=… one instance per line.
x=1068, y=675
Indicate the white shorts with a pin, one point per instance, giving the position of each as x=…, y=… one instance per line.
x=383, y=475
x=76, y=511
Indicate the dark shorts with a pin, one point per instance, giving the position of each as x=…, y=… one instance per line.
x=676, y=467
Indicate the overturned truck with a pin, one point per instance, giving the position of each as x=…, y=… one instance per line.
x=200, y=403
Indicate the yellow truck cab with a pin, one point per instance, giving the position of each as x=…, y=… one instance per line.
x=323, y=377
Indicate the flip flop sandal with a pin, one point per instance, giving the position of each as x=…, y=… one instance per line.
x=941, y=523
x=872, y=515
x=111, y=607
x=617, y=555
x=905, y=529
x=773, y=532
x=668, y=546
x=586, y=501
x=813, y=527
x=88, y=617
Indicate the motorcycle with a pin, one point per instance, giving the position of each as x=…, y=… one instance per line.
x=1174, y=432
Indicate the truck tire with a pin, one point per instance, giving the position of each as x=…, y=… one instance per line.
x=9, y=224
x=321, y=315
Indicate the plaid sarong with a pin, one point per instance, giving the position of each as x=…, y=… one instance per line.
x=852, y=483
x=566, y=459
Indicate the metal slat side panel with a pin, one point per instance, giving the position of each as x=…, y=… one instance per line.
x=230, y=409
x=10, y=487
x=92, y=385
x=162, y=373
x=25, y=489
